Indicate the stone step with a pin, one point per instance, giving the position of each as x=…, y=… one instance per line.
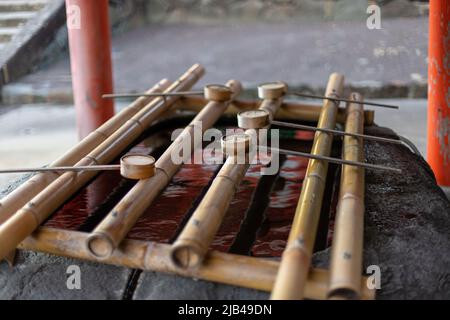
x=6, y=34
x=14, y=19
x=21, y=5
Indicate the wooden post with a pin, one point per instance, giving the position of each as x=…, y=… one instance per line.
x=296, y=258
x=347, y=246
x=438, y=143
x=90, y=60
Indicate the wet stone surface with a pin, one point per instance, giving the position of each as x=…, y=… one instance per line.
x=407, y=230
x=407, y=225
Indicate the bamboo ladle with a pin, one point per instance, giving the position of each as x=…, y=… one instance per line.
x=132, y=166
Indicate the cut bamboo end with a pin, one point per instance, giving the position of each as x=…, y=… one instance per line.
x=218, y=93
x=272, y=90
x=137, y=167
x=253, y=119
x=344, y=294
x=186, y=254
x=100, y=245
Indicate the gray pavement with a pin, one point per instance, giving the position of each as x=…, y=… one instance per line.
x=303, y=53
x=34, y=135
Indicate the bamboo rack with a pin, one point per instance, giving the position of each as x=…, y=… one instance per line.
x=24, y=210
x=191, y=246
x=237, y=270
x=113, y=229
x=347, y=248
x=24, y=193
x=27, y=219
x=296, y=258
x=288, y=110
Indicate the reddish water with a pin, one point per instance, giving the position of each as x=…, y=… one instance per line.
x=163, y=219
x=272, y=236
x=237, y=209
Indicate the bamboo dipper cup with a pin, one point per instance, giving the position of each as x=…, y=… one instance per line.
x=132, y=166
x=253, y=119
x=25, y=192
x=137, y=166
x=272, y=90
x=218, y=93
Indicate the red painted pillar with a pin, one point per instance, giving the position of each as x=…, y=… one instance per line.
x=90, y=59
x=438, y=150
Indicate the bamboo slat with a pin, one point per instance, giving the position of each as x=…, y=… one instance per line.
x=191, y=246
x=113, y=229
x=242, y=271
x=289, y=110
x=27, y=219
x=347, y=246
x=296, y=258
x=30, y=188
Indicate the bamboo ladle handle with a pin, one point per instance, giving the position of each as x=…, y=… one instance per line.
x=133, y=166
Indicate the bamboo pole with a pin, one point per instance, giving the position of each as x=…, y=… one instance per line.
x=347, y=247
x=288, y=110
x=19, y=197
x=113, y=229
x=27, y=219
x=296, y=258
x=191, y=246
x=242, y=271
